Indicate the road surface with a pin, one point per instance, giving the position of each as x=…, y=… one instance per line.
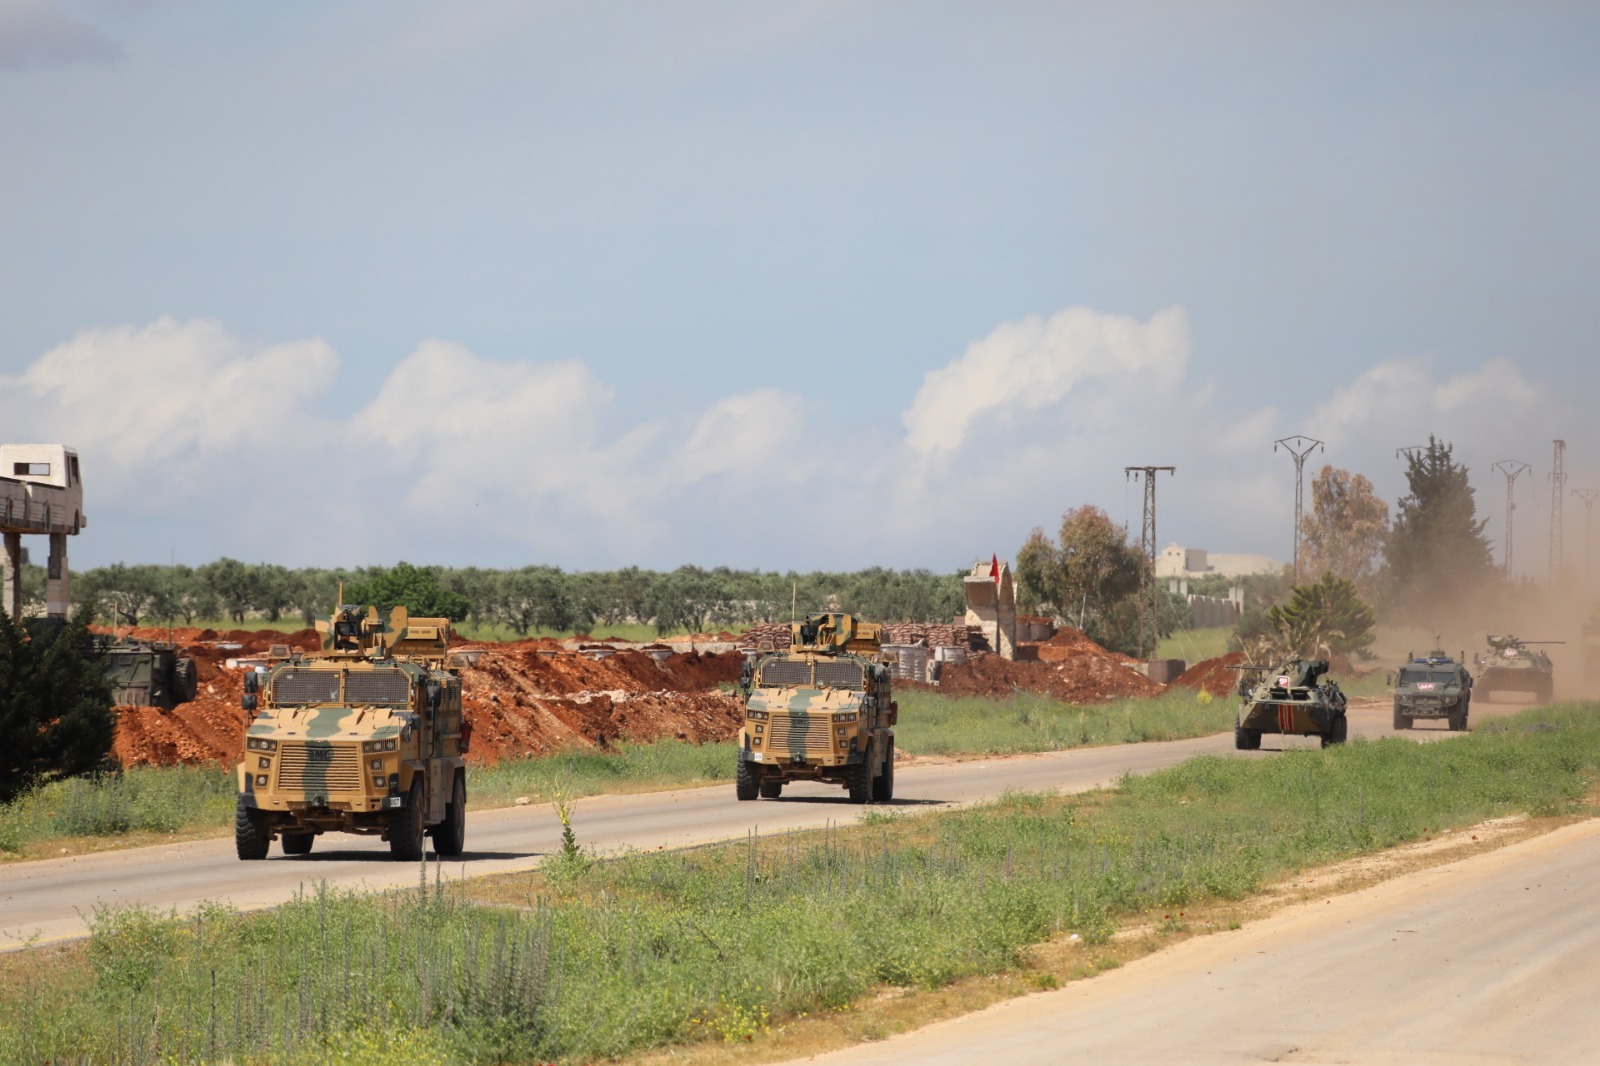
x=51, y=900
x=1495, y=958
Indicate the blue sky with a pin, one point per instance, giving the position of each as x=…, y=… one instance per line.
x=811, y=285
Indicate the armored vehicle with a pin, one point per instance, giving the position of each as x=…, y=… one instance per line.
x=820, y=710
x=1294, y=698
x=364, y=736
x=148, y=673
x=1510, y=666
x=1432, y=686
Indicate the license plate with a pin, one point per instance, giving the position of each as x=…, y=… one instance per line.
x=397, y=801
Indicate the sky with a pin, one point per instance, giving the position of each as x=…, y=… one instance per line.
x=786, y=286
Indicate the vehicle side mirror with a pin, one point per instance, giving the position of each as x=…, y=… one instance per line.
x=248, y=702
x=252, y=681
x=1389, y=681
x=433, y=694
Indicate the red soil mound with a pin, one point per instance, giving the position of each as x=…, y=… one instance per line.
x=1084, y=678
x=1213, y=675
x=522, y=698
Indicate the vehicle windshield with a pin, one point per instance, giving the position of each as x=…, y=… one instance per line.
x=1413, y=674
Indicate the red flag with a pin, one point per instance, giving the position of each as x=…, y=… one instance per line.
x=994, y=568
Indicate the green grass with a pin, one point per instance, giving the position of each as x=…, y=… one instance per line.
x=139, y=800
x=597, y=959
x=931, y=724
x=631, y=768
x=1195, y=645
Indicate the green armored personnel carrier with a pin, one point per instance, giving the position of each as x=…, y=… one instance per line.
x=365, y=736
x=1510, y=665
x=820, y=710
x=1431, y=687
x=1296, y=698
x=148, y=673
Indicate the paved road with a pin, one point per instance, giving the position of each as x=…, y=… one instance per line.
x=50, y=900
x=1492, y=959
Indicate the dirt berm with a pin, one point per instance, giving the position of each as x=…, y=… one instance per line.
x=524, y=698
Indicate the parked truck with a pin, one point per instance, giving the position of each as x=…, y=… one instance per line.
x=364, y=736
x=819, y=710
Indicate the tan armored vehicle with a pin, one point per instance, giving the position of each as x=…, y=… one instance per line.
x=364, y=736
x=1511, y=665
x=820, y=711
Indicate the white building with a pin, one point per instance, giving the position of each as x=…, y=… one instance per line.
x=1180, y=562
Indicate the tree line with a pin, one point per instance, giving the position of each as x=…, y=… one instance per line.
x=547, y=598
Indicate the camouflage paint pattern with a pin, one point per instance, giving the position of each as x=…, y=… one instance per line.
x=1510, y=665
x=341, y=760
x=1294, y=699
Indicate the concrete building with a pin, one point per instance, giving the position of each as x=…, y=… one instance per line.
x=1176, y=561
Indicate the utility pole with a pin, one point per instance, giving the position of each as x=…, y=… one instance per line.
x=1588, y=497
x=1299, y=447
x=1149, y=603
x=1512, y=469
x=1558, y=479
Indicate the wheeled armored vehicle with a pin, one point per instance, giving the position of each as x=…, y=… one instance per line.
x=819, y=710
x=1511, y=665
x=1431, y=687
x=1295, y=698
x=364, y=736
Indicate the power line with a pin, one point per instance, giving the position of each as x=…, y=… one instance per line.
x=1588, y=497
x=1512, y=469
x=1558, y=479
x=1299, y=447
x=1149, y=610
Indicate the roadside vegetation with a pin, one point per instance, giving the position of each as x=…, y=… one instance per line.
x=931, y=724
x=590, y=959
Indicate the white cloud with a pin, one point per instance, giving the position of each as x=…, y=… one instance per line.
x=170, y=393
x=1036, y=363
x=1402, y=398
x=742, y=434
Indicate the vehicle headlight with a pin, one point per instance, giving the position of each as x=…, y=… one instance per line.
x=845, y=717
x=261, y=744
x=757, y=716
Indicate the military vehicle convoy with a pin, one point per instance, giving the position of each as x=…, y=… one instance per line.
x=1296, y=698
x=364, y=736
x=1510, y=666
x=149, y=673
x=1430, y=687
x=820, y=710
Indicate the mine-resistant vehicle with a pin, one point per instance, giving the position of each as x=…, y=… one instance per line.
x=149, y=673
x=1432, y=686
x=819, y=710
x=1510, y=665
x=364, y=736
x=1295, y=698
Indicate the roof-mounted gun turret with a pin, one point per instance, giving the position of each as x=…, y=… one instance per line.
x=831, y=632
x=358, y=632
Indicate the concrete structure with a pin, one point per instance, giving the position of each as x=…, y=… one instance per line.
x=1181, y=562
x=1210, y=611
x=992, y=606
x=41, y=492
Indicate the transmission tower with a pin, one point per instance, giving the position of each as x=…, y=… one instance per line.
x=1512, y=469
x=1588, y=497
x=1149, y=609
x=1298, y=447
x=1558, y=479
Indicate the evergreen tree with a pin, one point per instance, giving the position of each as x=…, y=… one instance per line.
x=55, y=704
x=1436, y=552
x=1329, y=614
x=414, y=587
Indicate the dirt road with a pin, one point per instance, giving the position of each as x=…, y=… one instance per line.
x=1491, y=959
x=50, y=900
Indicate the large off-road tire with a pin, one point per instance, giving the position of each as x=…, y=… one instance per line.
x=407, y=834
x=297, y=843
x=450, y=835
x=771, y=790
x=745, y=785
x=250, y=837
x=1458, y=719
x=858, y=779
x=185, y=681
x=1401, y=719
x=883, y=784
x=1338, y=732
x=1246, y=739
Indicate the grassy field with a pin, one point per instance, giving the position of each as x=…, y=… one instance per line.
x=1194, y=645
x=931, y=724
x=590, y=959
